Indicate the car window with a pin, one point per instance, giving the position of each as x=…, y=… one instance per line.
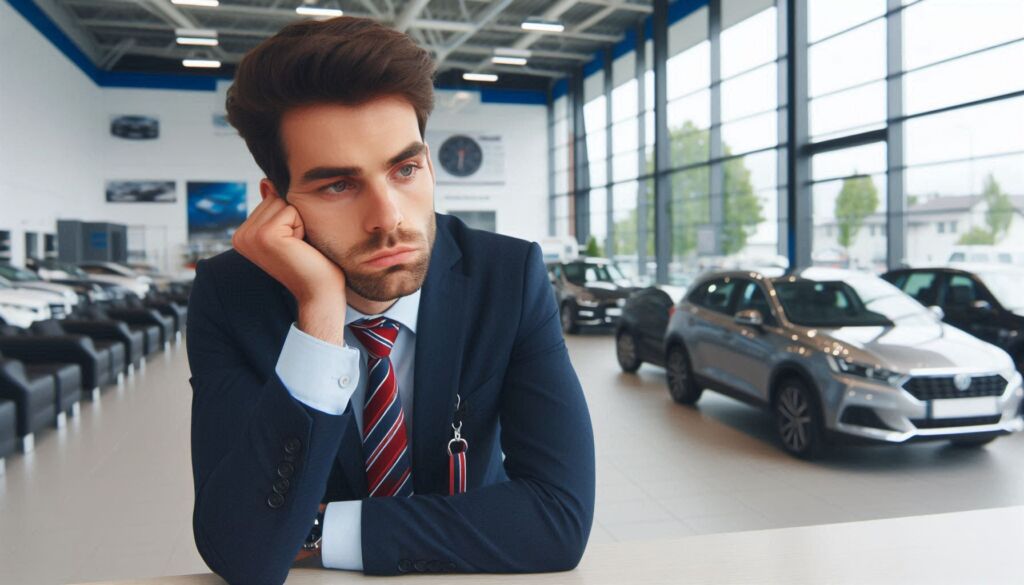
x=837, y=304
x=923, y=286
x=752, y=297
x=960, y=292
x=714, y=295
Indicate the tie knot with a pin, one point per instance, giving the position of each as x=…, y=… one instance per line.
x=377, y=335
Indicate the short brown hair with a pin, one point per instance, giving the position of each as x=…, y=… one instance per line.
x=343, y=60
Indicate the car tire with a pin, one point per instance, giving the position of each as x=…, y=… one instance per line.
x=681, y=386
x=972, y=442
x=568, y=319
x=626, y=351
x=798, y=419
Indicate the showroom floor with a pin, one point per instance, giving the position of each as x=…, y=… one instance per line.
x=110, y=496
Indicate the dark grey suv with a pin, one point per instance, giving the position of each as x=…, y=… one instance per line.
x=589, y=291
x=839, y=353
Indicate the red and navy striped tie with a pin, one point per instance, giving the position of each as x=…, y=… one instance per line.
x=385, y=443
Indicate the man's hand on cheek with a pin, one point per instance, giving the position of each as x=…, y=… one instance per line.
x=273, y=239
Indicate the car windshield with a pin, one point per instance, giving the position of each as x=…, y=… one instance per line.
x=859, y=302
x=72, y=270
x=16, y=274
x=1005, y=286
x=583, y=273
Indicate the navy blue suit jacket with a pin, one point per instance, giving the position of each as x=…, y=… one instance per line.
x=488, y=329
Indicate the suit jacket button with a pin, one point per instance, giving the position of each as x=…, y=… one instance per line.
x=293, y=446
x=285, y=470
x=275, y=501
x=404, y=565
x=281, y=486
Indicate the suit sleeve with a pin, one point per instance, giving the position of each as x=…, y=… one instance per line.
x=540, y=519
x=260, y=458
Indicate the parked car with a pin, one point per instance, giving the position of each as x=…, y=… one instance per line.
x=640, y=334
x=589, y=291
x=834, y=353
x=983, y=300
x=112, y=273
x=26, y=279
x=65, y=273
x=22, y=308
x=58, y=305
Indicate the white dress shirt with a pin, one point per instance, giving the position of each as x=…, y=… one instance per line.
x=327, y=377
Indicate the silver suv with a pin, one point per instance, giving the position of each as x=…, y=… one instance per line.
x=839, y=353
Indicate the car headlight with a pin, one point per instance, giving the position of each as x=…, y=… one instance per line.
x=851, y=368
x=621, y=302
x=587, y=303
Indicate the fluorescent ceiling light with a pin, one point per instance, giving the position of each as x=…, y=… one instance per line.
x=497, y=60
x=201, y=41
x=202, y=63
x=315, y=11
x=480, y=77
x=540, y=24
x=210, y=3
x=510, y=52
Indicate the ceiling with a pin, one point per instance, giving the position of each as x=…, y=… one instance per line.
x=139, y=35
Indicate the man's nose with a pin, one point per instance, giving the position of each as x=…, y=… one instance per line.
x=383, y=212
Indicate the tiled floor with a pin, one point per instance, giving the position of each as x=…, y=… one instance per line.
x=110, y=495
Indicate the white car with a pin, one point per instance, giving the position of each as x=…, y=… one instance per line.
x=26, y=279
x=113, y=273
x=21, y=308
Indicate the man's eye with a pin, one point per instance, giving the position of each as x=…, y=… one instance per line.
x=330, y=188
x=408, y=170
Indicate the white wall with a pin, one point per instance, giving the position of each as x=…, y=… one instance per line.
x=57, y=152
x=50, y=166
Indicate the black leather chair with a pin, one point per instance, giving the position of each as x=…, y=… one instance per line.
x=8, y=429
x=166, y=307
x=104, y=334
x=96, y=364
x=125, y=311
x=34, y=395
x=68, y=378
x=141, y=323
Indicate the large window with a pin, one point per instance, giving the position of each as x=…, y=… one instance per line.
x=919, y=161
x=964, y=177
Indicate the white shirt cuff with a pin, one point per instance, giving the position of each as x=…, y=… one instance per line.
x=341, y=546
x=321, y=375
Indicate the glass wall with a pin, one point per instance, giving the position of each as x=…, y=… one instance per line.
x=963, y=73
x=934, y=174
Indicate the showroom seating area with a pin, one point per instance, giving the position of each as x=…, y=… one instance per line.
x=48, y=368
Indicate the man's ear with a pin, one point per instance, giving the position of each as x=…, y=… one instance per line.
x=267, y=189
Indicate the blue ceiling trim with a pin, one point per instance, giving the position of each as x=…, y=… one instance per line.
x=626, y=45
x=560, y=88
x=495, y=95
x=42, y=23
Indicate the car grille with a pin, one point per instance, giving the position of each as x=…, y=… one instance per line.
x=57, y=310
x=942, y=423
x=935, y=387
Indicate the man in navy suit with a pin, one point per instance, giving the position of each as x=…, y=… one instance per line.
x=375, y=385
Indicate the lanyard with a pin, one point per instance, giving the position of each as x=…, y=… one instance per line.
x=457, y=448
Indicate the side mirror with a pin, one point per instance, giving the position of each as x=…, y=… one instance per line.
x=981, y=305
x=749, y=318
x=938, y=312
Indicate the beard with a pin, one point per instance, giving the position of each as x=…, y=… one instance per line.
x=388, y=284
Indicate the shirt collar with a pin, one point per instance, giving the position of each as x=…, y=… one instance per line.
x=405, y=310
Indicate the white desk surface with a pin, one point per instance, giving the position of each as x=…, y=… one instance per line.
x=977, y=547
